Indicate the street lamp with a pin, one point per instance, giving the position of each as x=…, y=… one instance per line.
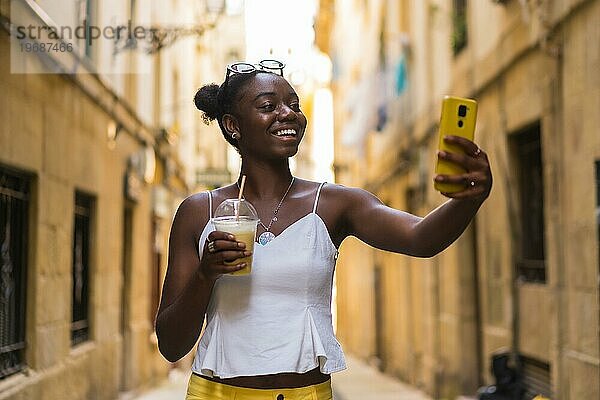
x=154, y=38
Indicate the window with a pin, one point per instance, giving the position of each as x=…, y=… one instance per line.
x=531, y=258
x=81, y=268
x=459, y=25
x=14, y=204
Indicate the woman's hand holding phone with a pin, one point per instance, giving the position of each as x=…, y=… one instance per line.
x=476, y=181
x=462, y=168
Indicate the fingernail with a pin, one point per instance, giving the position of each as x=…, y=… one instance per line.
x=231, y=237
x=242, y=265
x=247, y=253
x=442, y=153
x=439, y=178
x=241, y=244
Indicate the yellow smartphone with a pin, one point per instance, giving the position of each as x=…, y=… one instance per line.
x=458, y=118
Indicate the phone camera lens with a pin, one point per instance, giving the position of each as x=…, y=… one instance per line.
x=460, y=123
x=462, y=110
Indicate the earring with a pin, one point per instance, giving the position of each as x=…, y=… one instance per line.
x=235, y=136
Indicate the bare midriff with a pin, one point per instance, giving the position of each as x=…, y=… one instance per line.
x=275, y=381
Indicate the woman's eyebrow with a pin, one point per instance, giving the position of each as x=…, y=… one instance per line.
x=292, y=94
x=264, y=94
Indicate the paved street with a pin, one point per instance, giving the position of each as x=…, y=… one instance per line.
x=363, y=382
x=172, y=388
x=358, y=382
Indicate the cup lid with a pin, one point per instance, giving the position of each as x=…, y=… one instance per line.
x=235, y=207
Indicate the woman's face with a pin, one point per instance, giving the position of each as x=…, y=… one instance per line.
x=269, y=118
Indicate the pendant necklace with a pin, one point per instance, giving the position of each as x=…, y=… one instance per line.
x=267, y=235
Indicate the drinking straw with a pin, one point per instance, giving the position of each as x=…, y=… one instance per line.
x=237, y=210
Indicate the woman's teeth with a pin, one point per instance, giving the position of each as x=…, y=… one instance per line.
x=286, y=132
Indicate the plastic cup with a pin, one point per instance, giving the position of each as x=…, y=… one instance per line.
x=239, y=218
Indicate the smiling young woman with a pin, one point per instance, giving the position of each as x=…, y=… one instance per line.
x=269, y=334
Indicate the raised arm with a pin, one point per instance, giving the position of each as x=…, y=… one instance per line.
x=190, y=279
x=386, y=228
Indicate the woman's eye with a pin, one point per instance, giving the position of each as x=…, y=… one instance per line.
x=267, y=107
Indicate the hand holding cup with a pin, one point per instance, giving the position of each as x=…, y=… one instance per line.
x=223, y=254
x=232, y=242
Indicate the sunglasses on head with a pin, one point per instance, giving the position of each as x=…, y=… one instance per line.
x=273, y=66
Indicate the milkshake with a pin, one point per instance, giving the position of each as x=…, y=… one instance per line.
x=239, y=218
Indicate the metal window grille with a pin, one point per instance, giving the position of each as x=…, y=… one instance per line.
x=535, y=377
x=14, y=205
x=81, y=268
x=531, y=265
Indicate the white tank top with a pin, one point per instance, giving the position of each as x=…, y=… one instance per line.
x=278, y=318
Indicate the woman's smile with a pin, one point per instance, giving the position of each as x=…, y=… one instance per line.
x=287, y=135
x=286, y=132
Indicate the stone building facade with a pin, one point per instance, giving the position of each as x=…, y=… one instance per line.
x=92, y=169
x=523, y=278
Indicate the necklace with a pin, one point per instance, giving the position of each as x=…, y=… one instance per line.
x=267, y=235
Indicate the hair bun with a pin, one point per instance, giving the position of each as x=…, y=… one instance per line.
x=206, y=101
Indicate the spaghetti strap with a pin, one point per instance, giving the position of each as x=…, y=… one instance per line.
x=209, y=205
x=317, y=197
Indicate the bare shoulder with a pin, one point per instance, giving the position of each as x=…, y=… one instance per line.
x=195, y=203
x=337, y=205
x=349, y=202
x=347, y=197
x=192, y=213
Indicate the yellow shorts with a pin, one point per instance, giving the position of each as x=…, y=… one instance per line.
x=203, y=389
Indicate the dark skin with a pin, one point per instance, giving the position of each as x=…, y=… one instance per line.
x=268, y=104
